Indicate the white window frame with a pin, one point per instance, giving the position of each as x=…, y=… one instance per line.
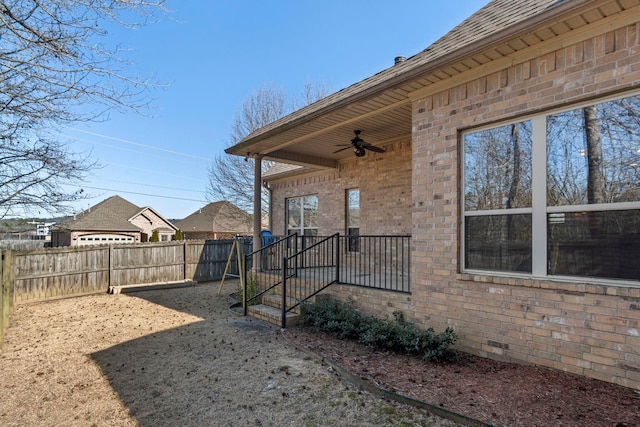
x=539, y=209
x=302, y=229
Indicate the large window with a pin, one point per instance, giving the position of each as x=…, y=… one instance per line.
x=558, y=194
x=302, y=215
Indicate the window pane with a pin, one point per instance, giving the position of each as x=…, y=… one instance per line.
x=593, y=154
x=311, y=211
x=353, y=208
x=498, y=168
x=498, y=242
x=294, y=213
x=595, y=244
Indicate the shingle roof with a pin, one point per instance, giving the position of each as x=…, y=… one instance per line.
x=111, y=214
x=280, y=169
x=491, y=21
x=217, y=217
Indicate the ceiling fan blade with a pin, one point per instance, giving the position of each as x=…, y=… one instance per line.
x=374, y=148
x=342, y=149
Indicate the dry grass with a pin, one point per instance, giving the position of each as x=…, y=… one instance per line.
x=166, y=358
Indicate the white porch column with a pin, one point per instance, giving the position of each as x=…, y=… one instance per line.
x=257, y=209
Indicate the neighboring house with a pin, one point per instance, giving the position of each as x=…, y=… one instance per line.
x=114, y=220
x=511, y=158
x=217, y=220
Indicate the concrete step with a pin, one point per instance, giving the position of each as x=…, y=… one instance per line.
x=275, y=301
x=272, y=315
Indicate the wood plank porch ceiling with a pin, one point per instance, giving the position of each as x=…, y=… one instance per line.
x=380, y=105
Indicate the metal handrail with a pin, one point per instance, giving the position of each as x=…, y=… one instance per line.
x=307, y=295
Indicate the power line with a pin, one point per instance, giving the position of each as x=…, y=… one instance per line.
x=115, y=147
x=150, y=147
x=140, y=194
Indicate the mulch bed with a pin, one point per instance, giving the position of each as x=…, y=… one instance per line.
x=498, y=393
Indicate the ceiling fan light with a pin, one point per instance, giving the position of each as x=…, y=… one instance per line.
x=359, y=151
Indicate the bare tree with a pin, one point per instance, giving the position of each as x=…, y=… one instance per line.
x=593, y=154
x=54, y=70
x=231, y=177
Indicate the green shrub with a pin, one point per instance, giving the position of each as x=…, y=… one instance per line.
x=397, y=335
x=332, y=316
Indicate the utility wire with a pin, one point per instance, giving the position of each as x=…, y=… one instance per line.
x=140, y=194
x=129, y=150
x=150, y=147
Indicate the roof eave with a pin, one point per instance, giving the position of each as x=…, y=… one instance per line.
x=553, y=13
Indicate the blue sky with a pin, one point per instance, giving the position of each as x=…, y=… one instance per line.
x=214, y=55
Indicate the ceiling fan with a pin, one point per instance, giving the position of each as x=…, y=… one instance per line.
x=359, y=146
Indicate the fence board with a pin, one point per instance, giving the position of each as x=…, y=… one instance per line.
x=55, y=272
x=49, y=273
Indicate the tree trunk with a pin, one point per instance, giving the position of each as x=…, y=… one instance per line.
x=595, y=182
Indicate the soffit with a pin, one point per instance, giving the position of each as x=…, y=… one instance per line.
x=380, y=106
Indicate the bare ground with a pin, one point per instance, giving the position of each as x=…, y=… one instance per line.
x=181, y=357
x=176, y=357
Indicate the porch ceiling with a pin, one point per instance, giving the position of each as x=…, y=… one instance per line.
x=380, y=106
x=315, y=142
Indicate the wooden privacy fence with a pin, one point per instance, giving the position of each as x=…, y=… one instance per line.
x=57, y=272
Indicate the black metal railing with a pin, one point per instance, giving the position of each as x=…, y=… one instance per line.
x=308, y=272
x=308, y=264
x=380, y=262
x=267, y=259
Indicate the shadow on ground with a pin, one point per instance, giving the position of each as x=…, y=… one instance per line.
x=188, y=373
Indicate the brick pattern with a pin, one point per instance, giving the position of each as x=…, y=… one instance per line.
x=586, y=329
x=384, y=181
x=148, y=221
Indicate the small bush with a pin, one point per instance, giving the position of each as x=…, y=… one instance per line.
x=335, y=317
x=397, y=335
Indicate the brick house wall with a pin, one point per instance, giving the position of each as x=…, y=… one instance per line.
x=585, y=328
x=148, y=221
x=385, y=194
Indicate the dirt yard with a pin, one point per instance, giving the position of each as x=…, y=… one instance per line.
x=180, y=357
x=175, y=357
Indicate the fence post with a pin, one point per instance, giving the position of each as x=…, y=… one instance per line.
x=285, y=267
x=109, y=278
x=7, y=291
x=186, y=260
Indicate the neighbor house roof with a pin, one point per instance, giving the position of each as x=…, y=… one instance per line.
x=497, y=32
x=222, y=217
x=112, y=214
